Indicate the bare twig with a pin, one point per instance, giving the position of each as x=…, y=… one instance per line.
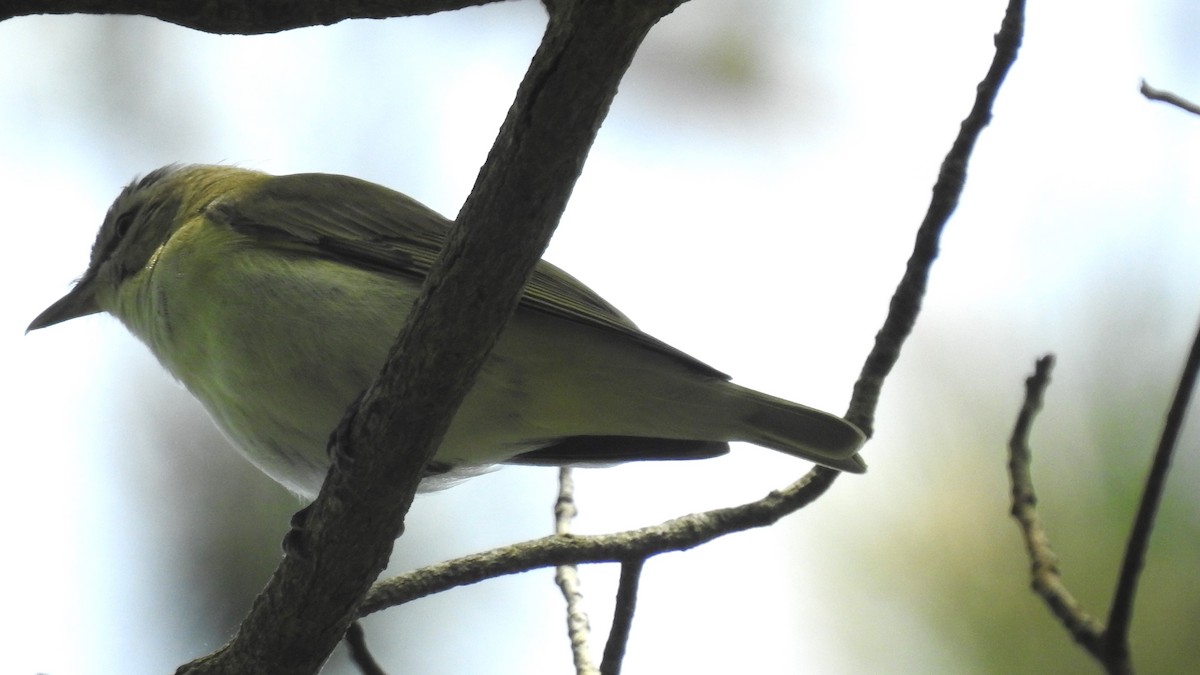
x=906, y=301
x=1109, y=644
x=622, y=624
x=1121, y=611
x=1047, y=581
x=1167, y=97
x=567, y=577
x=360, y=654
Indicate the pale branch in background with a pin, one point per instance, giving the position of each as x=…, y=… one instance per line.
x=567, y=578
x=1121, y=611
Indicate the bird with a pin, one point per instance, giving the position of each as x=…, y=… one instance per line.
x=274, y=301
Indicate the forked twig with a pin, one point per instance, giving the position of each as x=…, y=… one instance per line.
x=1109, y=644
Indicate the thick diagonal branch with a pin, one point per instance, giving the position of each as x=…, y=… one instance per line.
x=380, y=449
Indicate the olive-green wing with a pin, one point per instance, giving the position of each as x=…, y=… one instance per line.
x=359, y=223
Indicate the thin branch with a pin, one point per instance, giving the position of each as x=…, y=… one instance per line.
x=1121, y=611
x=564, y=506
x=244, y=17
x=622, y=624
x=1047, y=580
x=567, y=577
x=1167, y=97
x=906, y=302
x=579, y=629
x=695, y=529
x=360, y=654
x=678, y=534
x=1109, y=644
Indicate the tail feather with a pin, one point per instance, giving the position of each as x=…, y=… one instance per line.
x=800, y=431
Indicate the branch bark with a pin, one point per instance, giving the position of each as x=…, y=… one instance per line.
x=678, y=534
x=622, y=623
x=579, y=628
x=906, y=301
x=343, y=540
x=1168, y=97
x=240, y=17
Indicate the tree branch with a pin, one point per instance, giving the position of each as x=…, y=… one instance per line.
x=345, y=537
x=360, y=654
x=567, y=577
x=1047, y=580
x=1109, y=644
x=1167, y=97
x=622, y=623
x=243, y=17
x=906, y=302
x=1120, y=614
x=695, y=529
x=678, y=534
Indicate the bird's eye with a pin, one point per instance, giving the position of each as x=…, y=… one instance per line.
x=123, y=222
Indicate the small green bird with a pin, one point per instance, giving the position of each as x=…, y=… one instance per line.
x=274, y=300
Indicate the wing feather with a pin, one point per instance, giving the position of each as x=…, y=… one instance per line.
x=356, y=222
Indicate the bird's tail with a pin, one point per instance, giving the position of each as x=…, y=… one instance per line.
x=797, y=430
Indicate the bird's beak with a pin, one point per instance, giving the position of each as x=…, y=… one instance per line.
x=81, y=301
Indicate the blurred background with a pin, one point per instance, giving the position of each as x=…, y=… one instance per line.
x=751, y=199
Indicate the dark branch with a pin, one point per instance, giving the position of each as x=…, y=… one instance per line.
x=360, y=654
x=381, y=447
x=1121, y=611
x=1109, y=644
x=1167, y=97
x=622, y=623
x=243, y=17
